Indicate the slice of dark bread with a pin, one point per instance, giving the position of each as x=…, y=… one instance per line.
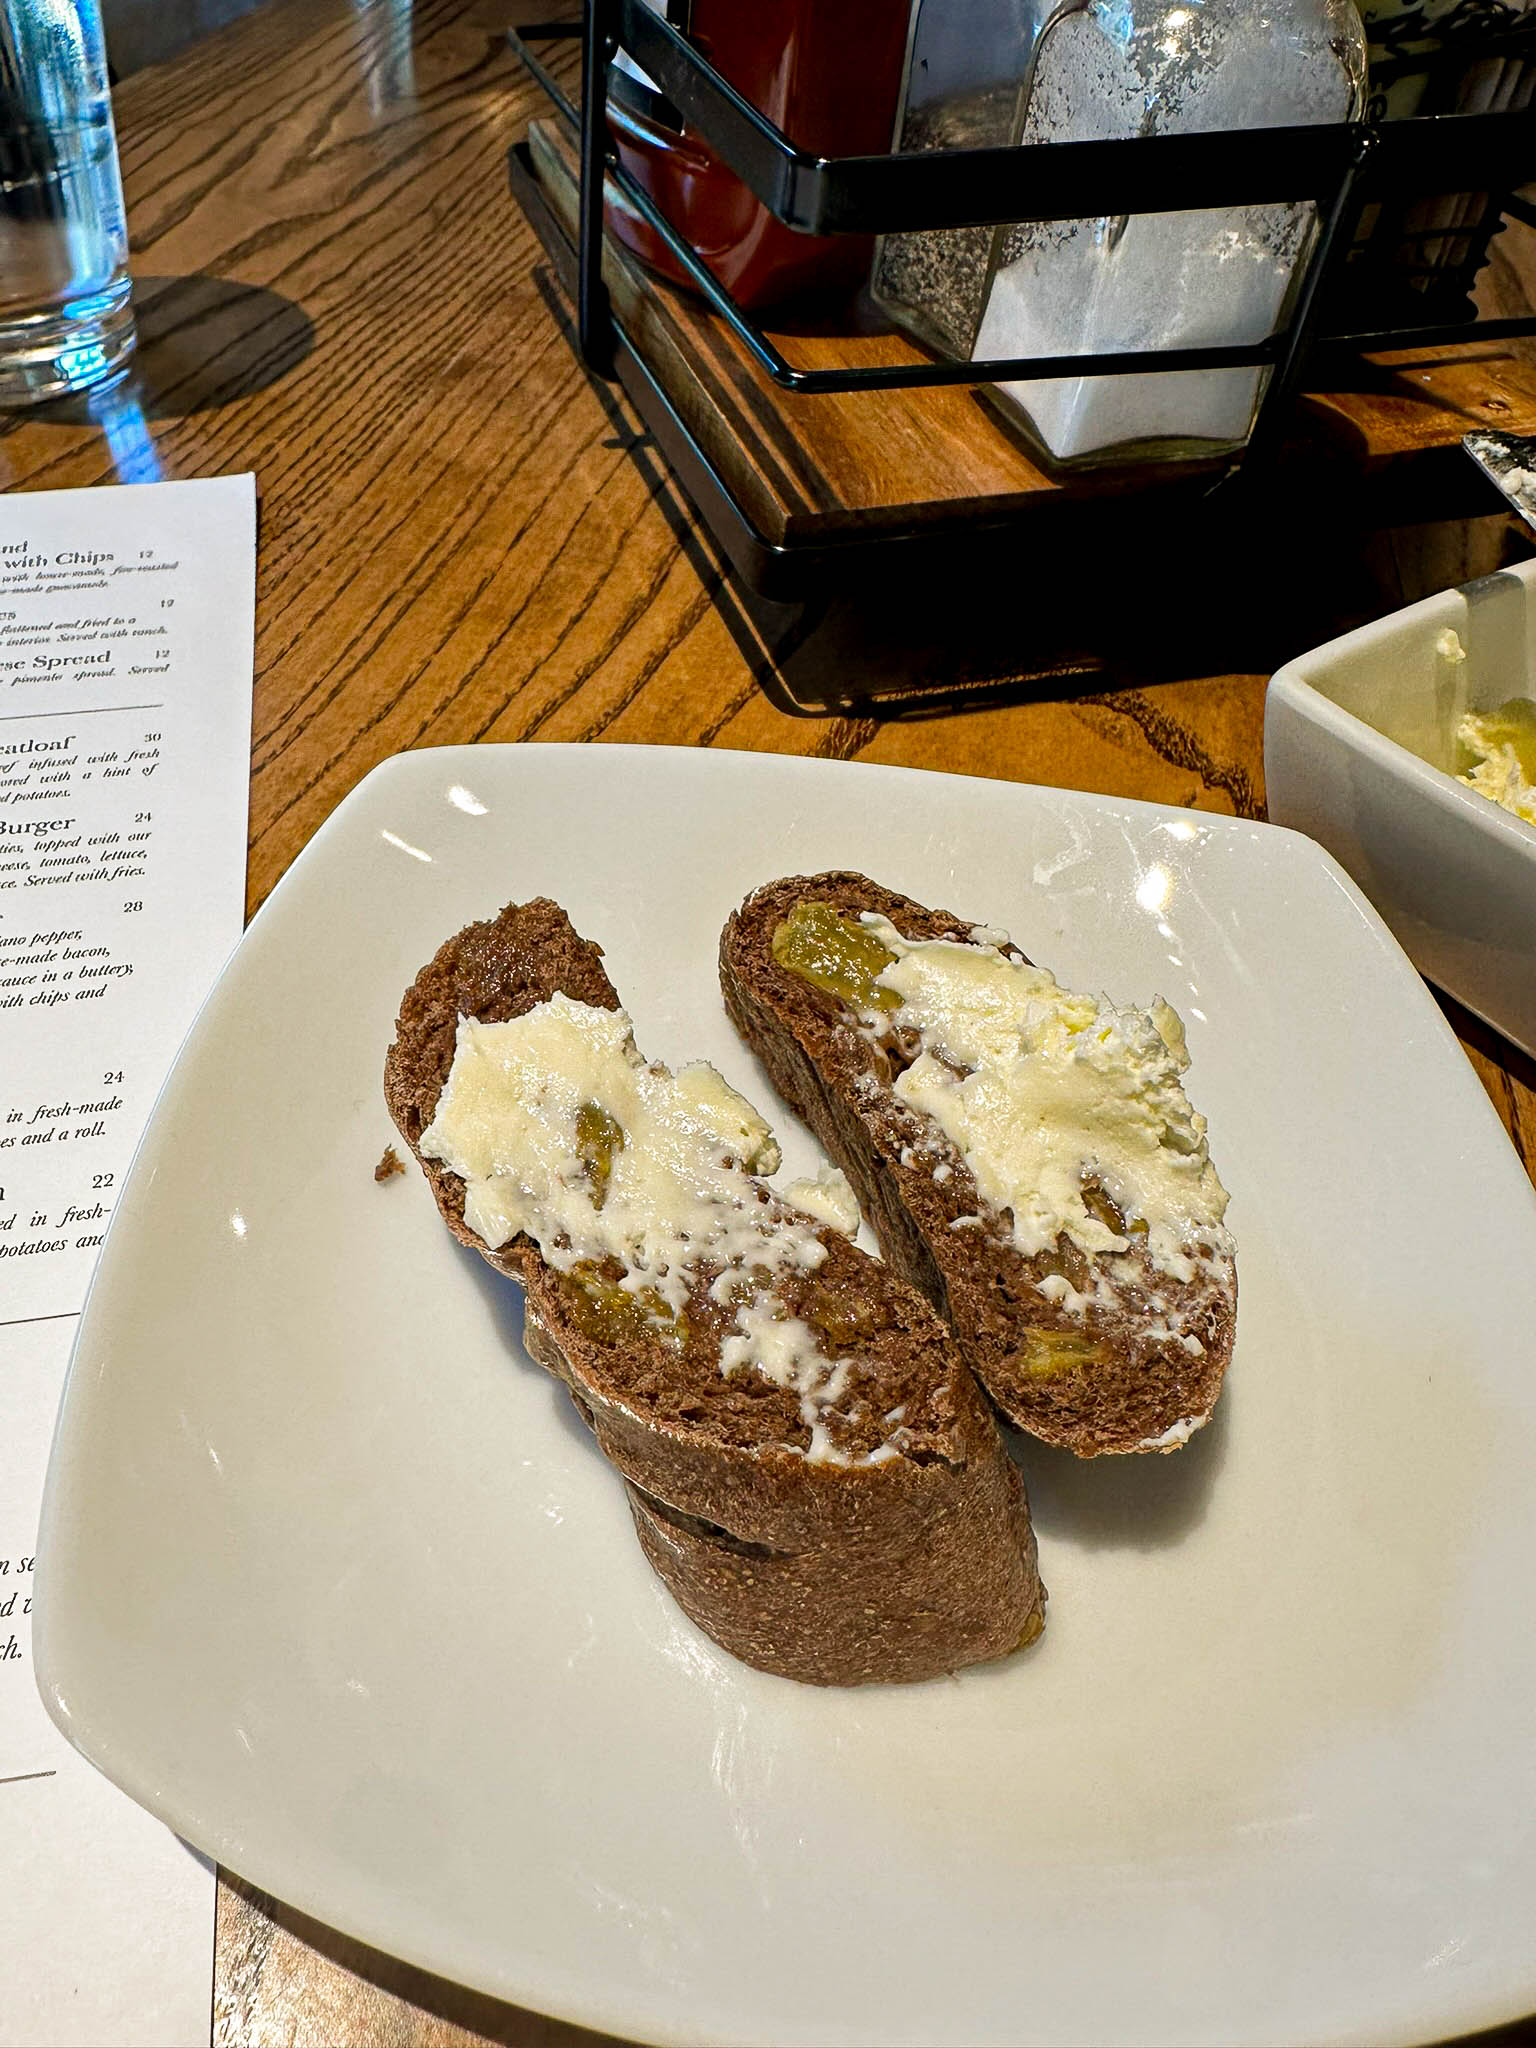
x=1114, y=1374
x=834, y=1573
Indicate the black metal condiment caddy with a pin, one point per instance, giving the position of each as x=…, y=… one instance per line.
x=1362, y=290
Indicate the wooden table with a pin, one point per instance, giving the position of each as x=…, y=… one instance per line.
x=457, y=543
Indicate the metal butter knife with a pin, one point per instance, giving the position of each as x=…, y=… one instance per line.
x=1508, y=460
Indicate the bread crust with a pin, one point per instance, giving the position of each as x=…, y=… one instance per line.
x=834, y=1077
x=834, y=1574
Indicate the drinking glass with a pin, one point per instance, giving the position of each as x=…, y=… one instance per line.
x=65, y=318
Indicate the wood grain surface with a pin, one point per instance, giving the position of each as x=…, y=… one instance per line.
x=462, y=538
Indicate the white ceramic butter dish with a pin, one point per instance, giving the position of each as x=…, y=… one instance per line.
x=1360, y=753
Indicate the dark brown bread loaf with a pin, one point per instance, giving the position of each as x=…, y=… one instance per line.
x=1124, y=1378
x=838, y=1574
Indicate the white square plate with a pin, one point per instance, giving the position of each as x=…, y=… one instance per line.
x=337, y=1584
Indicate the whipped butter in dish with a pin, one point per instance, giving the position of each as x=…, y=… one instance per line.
x=1499, y=750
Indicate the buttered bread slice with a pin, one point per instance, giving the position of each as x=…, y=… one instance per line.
x=1027, y=1156
x=810, y=1466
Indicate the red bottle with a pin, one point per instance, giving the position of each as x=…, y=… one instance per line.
x=828, y=75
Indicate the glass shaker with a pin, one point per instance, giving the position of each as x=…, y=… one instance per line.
x=968, y=68
x=1101, y=70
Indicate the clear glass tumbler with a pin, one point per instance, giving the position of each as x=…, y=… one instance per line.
x=65, y=318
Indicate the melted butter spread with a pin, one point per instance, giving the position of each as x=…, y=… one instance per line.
x=1055, y=1100
x=829, y=1198
x=1501, y=747
x=560, y=1130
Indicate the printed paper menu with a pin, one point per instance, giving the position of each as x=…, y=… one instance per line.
x=126, y=620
